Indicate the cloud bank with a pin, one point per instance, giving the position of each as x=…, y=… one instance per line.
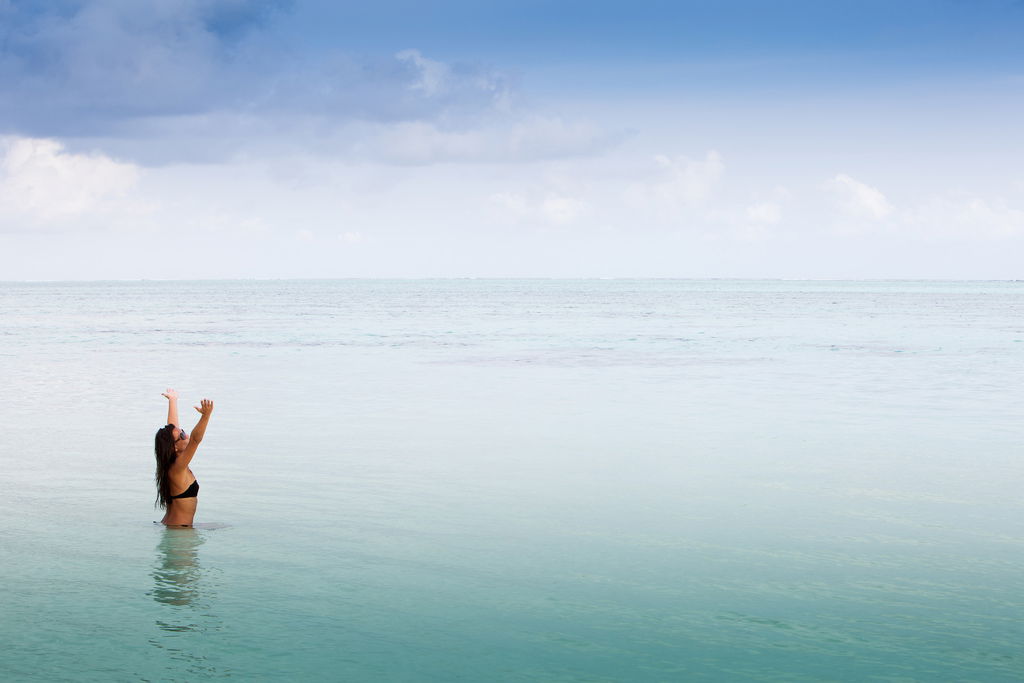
x=42, y=186
x=209, y=81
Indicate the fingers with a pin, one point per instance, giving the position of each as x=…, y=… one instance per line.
x=206, y=407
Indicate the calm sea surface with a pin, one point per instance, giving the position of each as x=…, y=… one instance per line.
x=462, y=480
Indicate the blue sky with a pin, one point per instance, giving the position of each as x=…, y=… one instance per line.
x=403, y=139
x=921, y=33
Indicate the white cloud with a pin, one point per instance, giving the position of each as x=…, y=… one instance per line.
x=562, y=210
x=939, y=216
x=529, y=139
x=681, y=182
x=965, y=216
x=515, y=204
x=768, y=209
x=435, y=79
x=351, y=237
x=433, y=75
x=690, y=182
x=767, y=213
x=42, y=183
x=859, y=199
x=552, y=209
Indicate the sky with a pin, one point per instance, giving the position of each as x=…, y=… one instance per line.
x=822, y=139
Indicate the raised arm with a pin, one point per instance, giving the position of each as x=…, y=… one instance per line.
x=205, y=409
x=172, y=407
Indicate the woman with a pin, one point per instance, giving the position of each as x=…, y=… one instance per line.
x=177, y=490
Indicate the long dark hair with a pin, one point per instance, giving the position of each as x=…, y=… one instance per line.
x=165, y=457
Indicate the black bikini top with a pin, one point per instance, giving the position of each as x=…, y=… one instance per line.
x=191, y=492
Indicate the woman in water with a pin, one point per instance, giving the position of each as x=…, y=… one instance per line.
x=177, y=490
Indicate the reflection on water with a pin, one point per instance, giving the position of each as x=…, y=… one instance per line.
x=185, y=592
x=177, y=572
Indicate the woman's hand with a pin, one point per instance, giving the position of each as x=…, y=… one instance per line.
x=172, y=406
x=206, y=409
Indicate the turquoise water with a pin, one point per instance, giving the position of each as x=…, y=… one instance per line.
x=517, y=480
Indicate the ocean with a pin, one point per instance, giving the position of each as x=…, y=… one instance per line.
x=512, y=480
